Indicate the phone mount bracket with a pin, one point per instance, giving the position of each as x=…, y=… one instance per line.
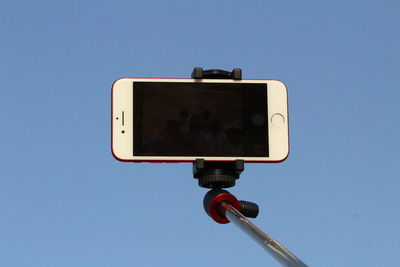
x=217, y=174
x=220, y=174
x=199, y=73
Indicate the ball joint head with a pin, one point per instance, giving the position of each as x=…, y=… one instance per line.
x=215, y=197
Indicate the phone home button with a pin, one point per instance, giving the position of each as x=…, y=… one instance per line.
x=277, y=120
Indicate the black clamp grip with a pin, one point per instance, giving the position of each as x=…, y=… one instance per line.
x=220, y=174
x=199, y=73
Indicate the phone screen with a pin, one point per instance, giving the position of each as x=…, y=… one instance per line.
x=200, y=119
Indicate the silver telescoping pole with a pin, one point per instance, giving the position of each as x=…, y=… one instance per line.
x=273, y=247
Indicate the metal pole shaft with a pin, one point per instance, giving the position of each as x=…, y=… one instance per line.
x=279, y=252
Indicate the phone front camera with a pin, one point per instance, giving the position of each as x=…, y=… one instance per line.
x=122, y=131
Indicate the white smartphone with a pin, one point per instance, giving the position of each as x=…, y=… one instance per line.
x=181, y=120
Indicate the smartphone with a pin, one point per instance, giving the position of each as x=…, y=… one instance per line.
x=181, y=120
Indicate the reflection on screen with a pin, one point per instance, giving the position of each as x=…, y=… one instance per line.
x=200, y=119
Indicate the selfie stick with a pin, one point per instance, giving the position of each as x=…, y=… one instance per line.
x=222, y=206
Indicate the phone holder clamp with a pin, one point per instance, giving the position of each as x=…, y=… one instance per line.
x=199, y=73
x=220, y=174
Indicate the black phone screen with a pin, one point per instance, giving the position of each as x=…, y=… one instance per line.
x=200, y=119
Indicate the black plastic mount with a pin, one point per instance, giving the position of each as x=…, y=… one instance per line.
x=217, y=174
x=199, y=73
x=220, y=174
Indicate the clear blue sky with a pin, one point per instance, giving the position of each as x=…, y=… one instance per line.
x=65, y=201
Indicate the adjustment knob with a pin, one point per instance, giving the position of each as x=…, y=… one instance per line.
x=249, y=209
